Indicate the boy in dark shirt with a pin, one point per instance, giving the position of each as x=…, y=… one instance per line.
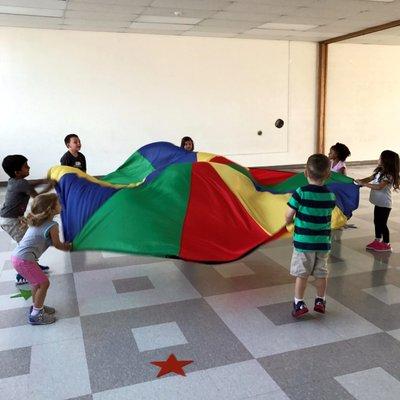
x=311, y=207
x=18, y=192
x=73, y=158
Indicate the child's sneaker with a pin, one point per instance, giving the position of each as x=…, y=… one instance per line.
x=42, y=319
x=299, y=309
x=384, y=247
x=44, y=268
x=320, y=305
x=47, y=310
x=20, y=280
x=373, y=245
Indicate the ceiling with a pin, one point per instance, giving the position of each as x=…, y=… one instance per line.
x=388, y=37
x=298, y=20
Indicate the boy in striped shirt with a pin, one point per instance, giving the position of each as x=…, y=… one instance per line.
x=311, y=207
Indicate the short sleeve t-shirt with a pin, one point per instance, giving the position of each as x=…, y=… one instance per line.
x=382, y=197
x=35, y=242
x=17, y=197
x=338, y=166
x=312, y=224
x=77, y=162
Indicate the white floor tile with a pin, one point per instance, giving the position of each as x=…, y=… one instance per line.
x=371, y=384
x=158, y=336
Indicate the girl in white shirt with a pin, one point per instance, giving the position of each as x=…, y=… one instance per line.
x=384, y=178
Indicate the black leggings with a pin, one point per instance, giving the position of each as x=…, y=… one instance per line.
x=381, y=216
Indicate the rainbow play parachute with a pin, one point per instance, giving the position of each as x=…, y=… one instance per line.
x=164, y=201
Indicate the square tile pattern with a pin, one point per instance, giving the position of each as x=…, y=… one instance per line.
x=158, y=336
x=118, y=312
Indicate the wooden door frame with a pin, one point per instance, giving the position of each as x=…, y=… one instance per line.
x=323, y=48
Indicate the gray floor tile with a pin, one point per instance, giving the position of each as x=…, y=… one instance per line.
x=132, y=284
x=59, y=370
x=16, y=387
x=352, y=291
x=388, y=294
x=208, y=281
x=280, y=314
x=86, y=397
x=114, y=359
x=96, y=292
x=91, y=261
x=28, y=335
x=241, y=313
x=319, y=390
x=278, y=395
x=312, y=371
x=230, y=270
x=245, y=380
x=61, y=295
x=15, y=362
x=371, y=384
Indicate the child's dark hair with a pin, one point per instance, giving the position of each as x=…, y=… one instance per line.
x=68, y=138
x=341, y=150
x=187, y=139
x=13, y=163
x=389, y=167
x=42, y=209
x=318, y=166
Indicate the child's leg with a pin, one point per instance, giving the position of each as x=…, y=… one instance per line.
x=377, y=222
x=40, y=314
x=34, y=275
x=321, y=284
x=300, y=287
x=16, y=228
x=321, y=280
x=300, y=268
x=384, y=228
x=39, y=294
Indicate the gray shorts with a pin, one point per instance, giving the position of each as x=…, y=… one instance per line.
x=15, y=227
x=309, y=263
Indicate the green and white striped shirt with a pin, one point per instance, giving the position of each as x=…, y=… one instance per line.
x=312, y=224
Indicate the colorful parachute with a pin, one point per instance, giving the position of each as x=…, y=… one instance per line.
x=165, y=201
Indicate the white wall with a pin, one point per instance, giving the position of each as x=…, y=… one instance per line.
x=119, y=92
x=363, y=99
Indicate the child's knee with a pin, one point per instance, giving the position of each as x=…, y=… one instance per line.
x=44, y=285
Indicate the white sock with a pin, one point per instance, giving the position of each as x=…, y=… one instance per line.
x=321, y=297
x=36, y=311
x=296, y=300
x=378, y=239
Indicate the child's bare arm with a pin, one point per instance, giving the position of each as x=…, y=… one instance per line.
x=49, y=185
x=376, y=186
x=290, y=213
x=55, y=238
x=365, y=180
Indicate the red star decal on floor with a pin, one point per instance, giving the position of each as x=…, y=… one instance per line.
x=171, y=365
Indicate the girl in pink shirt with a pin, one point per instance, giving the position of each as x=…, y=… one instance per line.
x=338, y=154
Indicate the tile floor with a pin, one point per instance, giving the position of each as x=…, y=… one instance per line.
x=117, y=313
